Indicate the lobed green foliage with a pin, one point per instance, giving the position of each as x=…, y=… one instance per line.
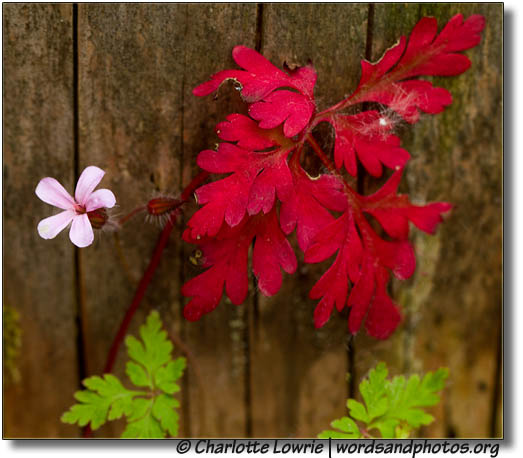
x=393, y=407
x=150, y=413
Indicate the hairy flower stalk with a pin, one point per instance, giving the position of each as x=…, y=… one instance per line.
x=147, y=277
x=149, y=272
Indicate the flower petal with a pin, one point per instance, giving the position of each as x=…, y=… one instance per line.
x=52, y=192
x=100, y=198
x=50, y=227
x=88, y=180
x=81, y=233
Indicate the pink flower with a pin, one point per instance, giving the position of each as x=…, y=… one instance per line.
x=75, y=210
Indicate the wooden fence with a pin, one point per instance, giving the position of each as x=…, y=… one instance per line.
x=110, y=85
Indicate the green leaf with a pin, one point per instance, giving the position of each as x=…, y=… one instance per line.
x=431, y=384
x=348, y=427
x=386, y=427
x=345, y=424
x=357, y=410
x=142, y=424
x=402, y=432
x=373, y=392
x=156, y=348
x=407, y=396
x=146, y=428
x=137, y=375
x=149, y=414
x=166, y=376
x=139, y=408
x=105, y=398
x=393, y=407
x=330, y=434
x=163, y=411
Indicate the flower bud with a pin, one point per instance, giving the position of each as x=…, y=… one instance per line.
x=97, y=218
x=162, y=205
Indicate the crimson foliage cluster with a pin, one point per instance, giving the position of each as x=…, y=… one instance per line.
x=263, y=153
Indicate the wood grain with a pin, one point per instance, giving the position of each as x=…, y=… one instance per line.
x=299, y=373
x=452, y=305
x=458, y=159
x=130, y=96
x=38, y=275
x=218, y=339
x=139, y=118
x=389, y=22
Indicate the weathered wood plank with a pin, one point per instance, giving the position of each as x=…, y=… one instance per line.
x=218, y=340
x=38, y=274
x=131, y=70
x=139, y=120
x=299, y=373
x=452, y=305
x=389, y=22
x=459, y=159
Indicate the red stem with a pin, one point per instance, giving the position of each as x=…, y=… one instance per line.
x=160, y=246
x=319, y=152
x=140, y=291
x=151, y=268
x=127, y=217
x=147, y=276
x=191, y=187
x=349, y=192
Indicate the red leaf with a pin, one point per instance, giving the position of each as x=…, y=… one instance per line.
x=226, y=258
x=361, y=294
x=367, y=260
x=257, y=178
x=271, y=251
x=246, y=133
x=283, y=106
x=307, y=208
x=332, y=287
x=259, y=83
x=393, y=211
x=388, y=81
x=330, y=218
x=383, y=315
x=367, y=135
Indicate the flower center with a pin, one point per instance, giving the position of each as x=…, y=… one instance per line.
x=79, y=209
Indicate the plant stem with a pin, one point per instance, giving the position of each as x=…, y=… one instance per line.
x=319, y=152
x=149, y=272
x=127, y=217
x=131, y=277
x=148, y=275
x=140, y=291
x=191, y=187
x=349, y=192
